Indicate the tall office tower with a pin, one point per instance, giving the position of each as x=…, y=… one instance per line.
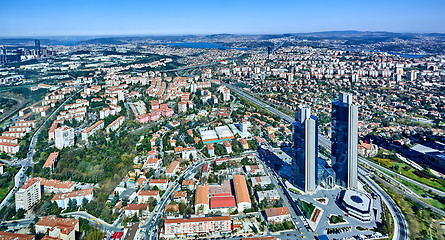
x=3, y=58
x=345, y=140
x=305, y=138
x=37, y=43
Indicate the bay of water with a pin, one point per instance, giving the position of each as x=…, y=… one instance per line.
x=200, y=45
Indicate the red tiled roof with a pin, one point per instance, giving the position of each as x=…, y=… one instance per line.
x=222, y=202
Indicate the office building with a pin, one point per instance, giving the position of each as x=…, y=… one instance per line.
x=345, y=140
x=305, y=138
x=37, y=43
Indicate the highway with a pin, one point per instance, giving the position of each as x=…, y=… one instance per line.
x=401, y=226
x=401, y=229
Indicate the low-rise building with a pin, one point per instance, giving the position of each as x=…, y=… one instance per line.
x=223, y=204
x=92, y=129
x=132, y=209
x=241, y=193
x=63, y=228
x=180, y=196
x=277, y=215
x=269, y=195
x=190, y=226
x=145, y=196
x=51, y=161
x=115, y=124
x=15, y=236
x=161, y=184
x=10, y=148
x=202, y=199
x=62, y=199
x=188, y=185
x=210, y=149
x=172, y=169
x=262, y=181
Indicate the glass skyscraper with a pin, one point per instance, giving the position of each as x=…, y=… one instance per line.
x=345, y=140
x=305, y=138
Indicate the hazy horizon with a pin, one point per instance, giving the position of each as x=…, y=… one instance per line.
x=173, y=18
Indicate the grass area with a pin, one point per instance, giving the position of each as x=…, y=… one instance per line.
x=334, y=219
x=7, y=181
x=428, y=196
x=306, y=207
x=423, y=223
x=360, y=228
x=409, y=172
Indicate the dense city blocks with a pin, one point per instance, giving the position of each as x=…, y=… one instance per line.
x=259, y=135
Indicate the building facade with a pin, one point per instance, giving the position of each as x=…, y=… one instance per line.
x=28, y=195
x=345, y=141
x=305, y=138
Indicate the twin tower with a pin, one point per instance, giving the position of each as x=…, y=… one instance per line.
x=344, y=144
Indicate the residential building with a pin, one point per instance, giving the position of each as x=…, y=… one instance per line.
x=63, y=228
x=210, y=149
x=172, y=169
x=132, y=209
x=51, y=161
x=15, y=236
x=345, y=141
x=10, y=148
x=28, y=195
x=161, y=184
x=144, y=196
x=189, y=226
x=180, y=196
x=115, y=124
x=188, y=185
x=277, y=215
x=64, y=137
x=263, y=181
x=269, y=195
x=62, y=199
x=92, y=129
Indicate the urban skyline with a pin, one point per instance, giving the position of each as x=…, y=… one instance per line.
x=148, y=120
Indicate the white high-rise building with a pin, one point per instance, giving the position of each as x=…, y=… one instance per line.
x=64, y=137
x=28, y=195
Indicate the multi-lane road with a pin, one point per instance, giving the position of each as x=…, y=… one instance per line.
x=401, y=230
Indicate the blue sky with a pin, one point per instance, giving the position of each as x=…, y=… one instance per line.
x=165, y=17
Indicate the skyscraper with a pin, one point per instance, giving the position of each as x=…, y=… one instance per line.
x=345, y=140
x=305, y=138
x=3, y=58
x=37, y=43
